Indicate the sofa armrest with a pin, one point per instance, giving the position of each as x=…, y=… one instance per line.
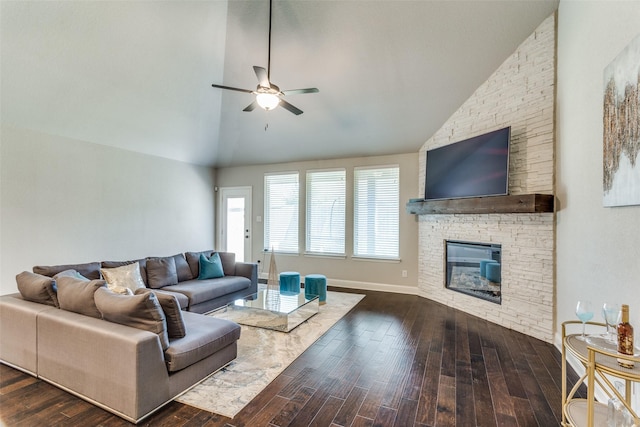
x=248, y=270
x=117, y=367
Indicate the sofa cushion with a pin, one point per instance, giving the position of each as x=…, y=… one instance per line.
x=210, y=268
x=182, y=268
x=205, y=336
x=228, y=260
x=37, y=288
x=126, y=276
x=89, y=270
x=200, y=291
x=172, y=312
x=141, y=262
x=77, y=295
x=161, y=272
x=193, y=259
x=141, y=311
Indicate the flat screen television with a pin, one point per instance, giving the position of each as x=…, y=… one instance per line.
x=475, y=167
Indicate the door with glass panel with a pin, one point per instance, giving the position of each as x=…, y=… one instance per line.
x=234, y=233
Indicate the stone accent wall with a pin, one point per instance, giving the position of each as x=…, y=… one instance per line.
x=520, y=94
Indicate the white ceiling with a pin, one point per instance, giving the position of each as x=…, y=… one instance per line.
x=137, y=74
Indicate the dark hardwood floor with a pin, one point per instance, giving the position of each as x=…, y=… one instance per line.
x=394, y=360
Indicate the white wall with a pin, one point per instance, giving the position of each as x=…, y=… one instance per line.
x=598, y=249
x=346, y=272
x=68, y=201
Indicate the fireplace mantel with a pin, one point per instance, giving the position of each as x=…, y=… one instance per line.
x=519, y=203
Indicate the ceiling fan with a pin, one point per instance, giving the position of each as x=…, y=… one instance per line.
x=268, y=95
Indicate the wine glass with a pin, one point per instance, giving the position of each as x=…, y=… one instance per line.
x=611, y=313
x=584, y=311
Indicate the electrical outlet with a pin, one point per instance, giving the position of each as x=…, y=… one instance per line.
x=404, y=273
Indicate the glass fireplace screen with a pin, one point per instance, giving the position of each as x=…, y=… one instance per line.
x=474, y=269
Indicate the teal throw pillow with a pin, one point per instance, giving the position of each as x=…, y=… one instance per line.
x=210, y=268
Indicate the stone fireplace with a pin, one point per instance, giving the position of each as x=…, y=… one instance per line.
x=520, y=94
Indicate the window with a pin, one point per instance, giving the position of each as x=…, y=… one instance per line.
x=376, y=212
x=281, y=212
x=325, y=211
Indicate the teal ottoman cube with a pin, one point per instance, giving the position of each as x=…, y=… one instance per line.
x=483, y=266
x=289, y=283
x=493, y=272
x=316, y=285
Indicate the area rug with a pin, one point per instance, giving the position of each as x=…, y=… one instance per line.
x=262, y=355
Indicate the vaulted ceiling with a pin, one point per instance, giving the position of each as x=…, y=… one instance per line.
x=137, y=74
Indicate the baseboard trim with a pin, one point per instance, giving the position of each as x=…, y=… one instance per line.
x=368, y=286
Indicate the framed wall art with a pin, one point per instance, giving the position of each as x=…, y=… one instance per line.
x=621, y=135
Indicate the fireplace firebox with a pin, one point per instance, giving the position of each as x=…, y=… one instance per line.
x=474, y=269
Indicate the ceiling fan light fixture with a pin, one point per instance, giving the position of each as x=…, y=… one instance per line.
x=268, y=101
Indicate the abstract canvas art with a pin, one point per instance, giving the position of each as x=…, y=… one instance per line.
x=621, y=145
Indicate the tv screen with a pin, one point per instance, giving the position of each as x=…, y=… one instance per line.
x=477, y=166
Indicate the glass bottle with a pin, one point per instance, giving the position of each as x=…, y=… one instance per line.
x=625, y=338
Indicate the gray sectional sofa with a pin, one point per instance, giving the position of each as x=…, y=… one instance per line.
x=127, y=369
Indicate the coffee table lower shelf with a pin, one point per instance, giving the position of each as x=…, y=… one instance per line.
x=576, y=411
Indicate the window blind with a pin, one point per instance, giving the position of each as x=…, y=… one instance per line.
x=376, y=212
x=325, y=222
x=281, y=212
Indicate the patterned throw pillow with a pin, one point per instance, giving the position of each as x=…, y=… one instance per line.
x=127, y=276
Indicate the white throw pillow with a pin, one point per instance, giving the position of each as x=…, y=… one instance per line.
x=127, y=276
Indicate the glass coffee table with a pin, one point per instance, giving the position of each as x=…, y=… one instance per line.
x=271, y=309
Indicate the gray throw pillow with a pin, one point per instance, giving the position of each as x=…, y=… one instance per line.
x=161, y=272
x=142, y=311
x=172, y=312
x=228, y=260
x=77, y=295
x=37, y=288
x=182, y=268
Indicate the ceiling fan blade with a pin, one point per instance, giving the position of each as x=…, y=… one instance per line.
x=232, y=88
x=299, y=91
x=263, y=77
x=287, y=106
x=251, y=106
